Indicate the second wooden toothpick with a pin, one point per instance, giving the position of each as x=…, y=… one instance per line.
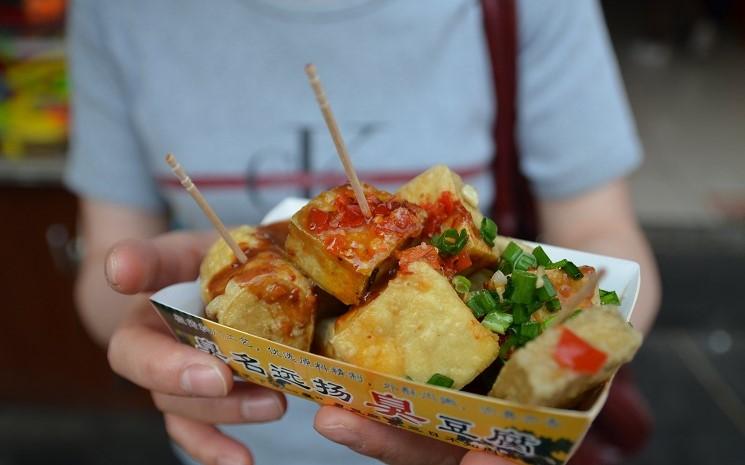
x=341, y=148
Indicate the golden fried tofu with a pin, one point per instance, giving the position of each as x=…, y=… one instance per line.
x=267, y=296
x=322, y=336
x=341, y=250
x=555, y=368
x=416, y=326
x=450, y=204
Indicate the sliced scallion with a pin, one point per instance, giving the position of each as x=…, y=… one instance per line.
x=520, y=314
x=512, y=252
x=450, y=242
x=523, y=287
x=440, y=380
x=541, y=257
x=525, y=262
x=461, y=284
x=507, y=345
x=547, y=291
x=497, y=322
x=558, y=264
x=488, y=231
x=571, y=269
x=528, y=331
x=609, y=298
x=482, y=302
x=553, y=305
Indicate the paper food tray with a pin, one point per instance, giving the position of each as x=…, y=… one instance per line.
x=534, y=435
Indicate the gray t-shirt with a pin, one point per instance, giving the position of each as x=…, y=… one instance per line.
x=221, y=85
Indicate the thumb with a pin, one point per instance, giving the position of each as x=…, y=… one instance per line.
x=390, y=445
x=134, y=266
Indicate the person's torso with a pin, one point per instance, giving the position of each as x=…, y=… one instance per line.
x=223, y=88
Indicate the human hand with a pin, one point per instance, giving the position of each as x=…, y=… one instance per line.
x=194, y=390
x=394, y=446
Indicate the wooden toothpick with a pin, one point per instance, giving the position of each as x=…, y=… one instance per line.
x=585, y=291
x=202, y=202
x=341, y=148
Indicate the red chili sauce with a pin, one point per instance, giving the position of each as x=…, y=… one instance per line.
x=346, y=232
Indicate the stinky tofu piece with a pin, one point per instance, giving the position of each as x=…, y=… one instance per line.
x=324, y=332
x=416, y=326
x=267, y=296
x=533, y=376
x=341, y=250
x=450, y=204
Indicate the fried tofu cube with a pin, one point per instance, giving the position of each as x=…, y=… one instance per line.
x=417, y=326
x=341, y=250
x=450, y=204
x=534, y=376
x=266, y=296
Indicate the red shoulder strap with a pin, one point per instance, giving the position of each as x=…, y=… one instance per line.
x=514, y=207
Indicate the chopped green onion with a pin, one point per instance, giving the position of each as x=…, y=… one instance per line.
x=497, y=322
x=450, y=242
x=505, y=266
x=546, y=292
x=547, y=323
x=575, y=313
x=508, y=344
x=525, y=262
x=609, y=298
x=512, y=252
x=528, y=331
x=461, y=284
x=481, y=303
x=555, y=265
x=488, y=231
x=553, y=305
x=507, y=293
x=541, y=257
x=523, y=287
x=520, y=314
x=572, y=270
x=440, y=380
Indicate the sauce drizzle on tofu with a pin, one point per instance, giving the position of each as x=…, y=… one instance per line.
x=345, y=232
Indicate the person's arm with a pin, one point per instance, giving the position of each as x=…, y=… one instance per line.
x=603, y=221
x=103, y=224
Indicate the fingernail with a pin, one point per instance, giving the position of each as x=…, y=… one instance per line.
x=111, y=268
x=261, y=408
x=203, y=380
x=343, y=435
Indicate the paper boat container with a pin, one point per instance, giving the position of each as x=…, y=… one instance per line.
x=534, y=435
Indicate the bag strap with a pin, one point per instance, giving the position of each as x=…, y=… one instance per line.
x=514, y=206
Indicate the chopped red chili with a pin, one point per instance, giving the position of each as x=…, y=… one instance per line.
x=576, y=354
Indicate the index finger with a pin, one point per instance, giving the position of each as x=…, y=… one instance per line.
x=142, y=351
x=146, y=265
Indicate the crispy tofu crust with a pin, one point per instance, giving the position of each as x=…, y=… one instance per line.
x=417, y=326
x=343, y=252
x=428, y=189
x=267, y=296
x=532, y=376
x=324, y=332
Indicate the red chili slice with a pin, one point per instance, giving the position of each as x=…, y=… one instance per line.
x=576, y=354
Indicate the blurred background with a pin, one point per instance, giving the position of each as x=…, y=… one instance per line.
x=684, y=66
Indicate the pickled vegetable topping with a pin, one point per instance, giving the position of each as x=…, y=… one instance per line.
x=574, y=353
